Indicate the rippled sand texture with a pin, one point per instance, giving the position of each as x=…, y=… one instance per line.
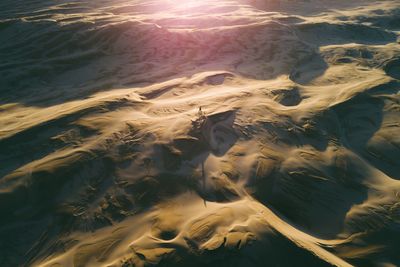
x=199, y=133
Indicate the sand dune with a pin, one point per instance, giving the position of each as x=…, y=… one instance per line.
x=199, y=133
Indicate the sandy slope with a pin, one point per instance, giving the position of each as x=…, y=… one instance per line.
x=199, y=133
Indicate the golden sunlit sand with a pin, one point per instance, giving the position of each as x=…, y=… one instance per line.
x=200, y=133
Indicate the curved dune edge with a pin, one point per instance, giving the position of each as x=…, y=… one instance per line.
x=237, y=133
x=238, y=225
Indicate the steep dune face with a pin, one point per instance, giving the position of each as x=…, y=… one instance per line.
x=199, y=133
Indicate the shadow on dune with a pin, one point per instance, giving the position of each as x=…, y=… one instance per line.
x=360, y=127
x=46, y=62
x=315, y=193
x=86, y=190
x=49, y=136
x=308, y=69
x=392, y=68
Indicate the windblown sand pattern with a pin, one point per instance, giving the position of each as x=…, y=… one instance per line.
x=199, y=133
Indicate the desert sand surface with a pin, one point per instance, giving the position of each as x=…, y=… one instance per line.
x=199, y=133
